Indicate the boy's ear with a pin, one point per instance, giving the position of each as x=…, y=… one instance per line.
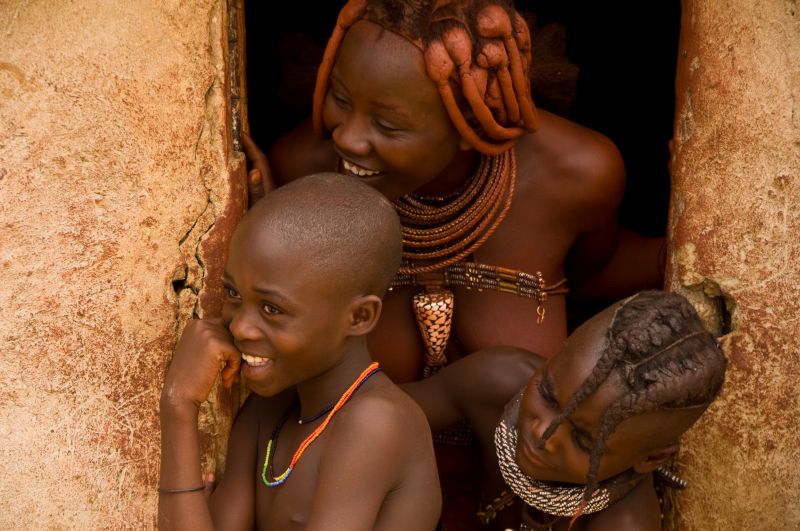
x=655, y=459
x=364, y=313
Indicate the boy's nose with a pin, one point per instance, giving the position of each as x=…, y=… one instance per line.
x=243, y=328
x=351, y=139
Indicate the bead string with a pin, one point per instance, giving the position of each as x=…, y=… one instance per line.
x=273, y=440
x=312, y=418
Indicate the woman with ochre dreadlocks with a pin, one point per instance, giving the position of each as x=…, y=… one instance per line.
x=594, y=426
x=430, y=103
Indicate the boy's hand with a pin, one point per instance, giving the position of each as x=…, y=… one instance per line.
x=259, y=178
x=205, y=348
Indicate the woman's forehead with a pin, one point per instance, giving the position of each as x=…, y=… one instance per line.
x=383, y=60
x=580, y=353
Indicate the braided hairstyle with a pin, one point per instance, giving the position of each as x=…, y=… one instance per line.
x=667, y=361
x=482, y=47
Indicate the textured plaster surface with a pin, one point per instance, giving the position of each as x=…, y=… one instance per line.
x=113, y=173
x=735, y=221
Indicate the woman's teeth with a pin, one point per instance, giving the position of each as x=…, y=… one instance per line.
x=255, y=361
x=358, y=170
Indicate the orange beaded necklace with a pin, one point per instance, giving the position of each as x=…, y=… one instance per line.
x=273, y=440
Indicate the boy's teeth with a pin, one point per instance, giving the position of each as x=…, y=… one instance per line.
x=358, y=170
x=255, y=360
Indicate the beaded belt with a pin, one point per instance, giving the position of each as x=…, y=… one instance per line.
x=433, y=307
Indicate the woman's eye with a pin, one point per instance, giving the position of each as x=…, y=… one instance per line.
x=583, y=441
x=232, y=293
x=385, y=127
x=341, y=101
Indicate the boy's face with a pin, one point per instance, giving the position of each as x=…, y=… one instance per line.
x=287, y=319
x=565, y=455
x=385, y=115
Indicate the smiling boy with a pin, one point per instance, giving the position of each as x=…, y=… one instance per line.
x=326, y=441
x=593, y=424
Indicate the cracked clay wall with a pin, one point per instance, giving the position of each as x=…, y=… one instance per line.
x=735, y=221
x=115, y=180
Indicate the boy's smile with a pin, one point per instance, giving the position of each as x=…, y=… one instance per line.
x=285, y=318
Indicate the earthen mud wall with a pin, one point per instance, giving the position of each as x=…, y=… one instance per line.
x=118, y=187
x=735, y=246
x=115, y=182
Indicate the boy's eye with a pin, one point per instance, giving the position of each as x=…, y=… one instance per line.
x=270, y=309
x=231, y=293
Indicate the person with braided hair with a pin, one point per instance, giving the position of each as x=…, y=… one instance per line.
x=594, y=426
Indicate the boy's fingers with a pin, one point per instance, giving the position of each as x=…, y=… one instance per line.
x=215, y=320
x=231, y=369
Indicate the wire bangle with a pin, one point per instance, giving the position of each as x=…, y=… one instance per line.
x=180, y=491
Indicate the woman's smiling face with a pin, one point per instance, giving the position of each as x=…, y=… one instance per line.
x=385, y=116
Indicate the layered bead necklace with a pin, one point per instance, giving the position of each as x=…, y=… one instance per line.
x=557, y=500
x=439, y=231
x=267, y=475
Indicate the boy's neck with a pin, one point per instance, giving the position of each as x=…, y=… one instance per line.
x=325, y=389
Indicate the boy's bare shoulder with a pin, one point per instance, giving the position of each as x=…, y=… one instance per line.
x=398, y=432
x=300, y=152
x=386, y=411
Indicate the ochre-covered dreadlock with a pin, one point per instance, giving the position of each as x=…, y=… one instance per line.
x=482, y=47
x=666, y=358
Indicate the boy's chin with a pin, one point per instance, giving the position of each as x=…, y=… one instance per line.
x=268, y=386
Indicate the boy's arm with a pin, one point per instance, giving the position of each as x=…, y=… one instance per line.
x=205, y=349
x=373, y=452
x=232, y=504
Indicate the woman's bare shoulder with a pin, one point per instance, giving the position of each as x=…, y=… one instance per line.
x=573, y=162
x=300, y=152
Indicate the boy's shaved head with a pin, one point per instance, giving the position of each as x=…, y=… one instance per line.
x=339, y=226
